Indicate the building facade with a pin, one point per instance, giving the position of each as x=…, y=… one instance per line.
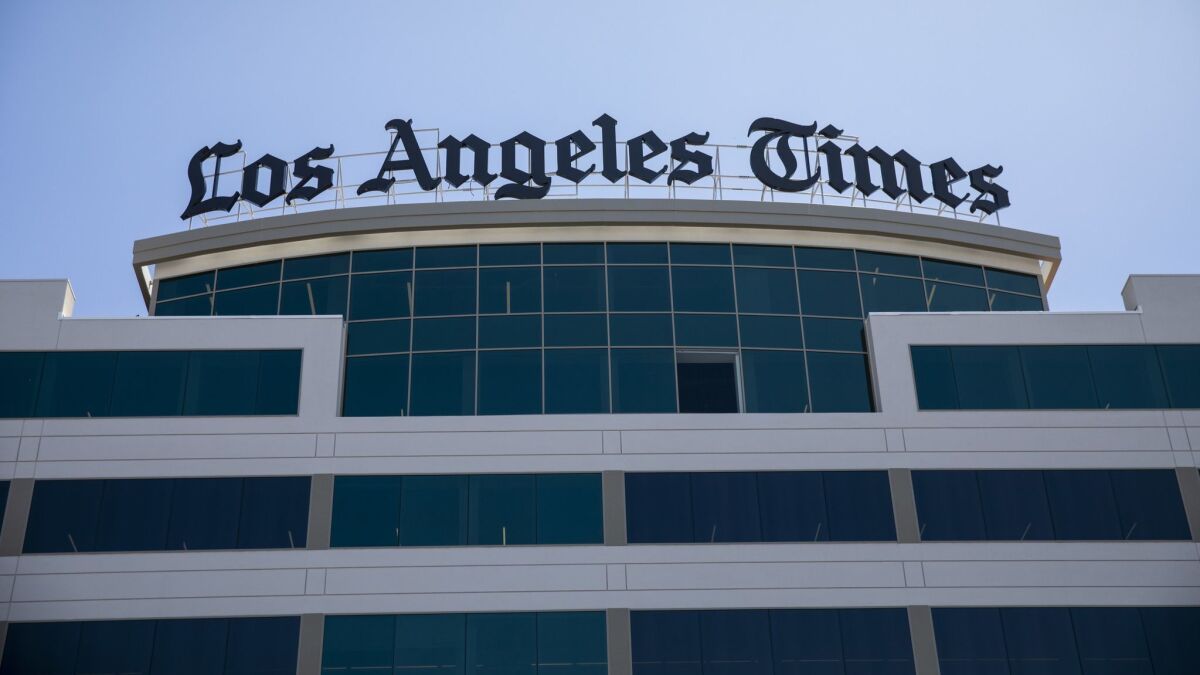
x=579, y=437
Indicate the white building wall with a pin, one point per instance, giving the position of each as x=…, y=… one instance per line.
x=317, y=441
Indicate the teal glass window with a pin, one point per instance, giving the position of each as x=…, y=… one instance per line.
x=641, y=330
x=829, y=294
x=700, y=254
x=509, y=290
x=456, y=332
x=1058, y=376
x=989, y=378
x=62, y=516
x=377, y=337
x=658, y=508
x=446, y=256
x=702, y=289
x=21, y=373
x=574, y=289
x=359, y=644
x=190, y=646
x=824, y=258
x=445, y=292
x=1127, y=376
x=736, y=642
x=253, y=301
x=772, y=332
x=639, y=289
x=274, y=512
x=706, y=330
x=892, y=294
x=945, y=297
x=501, y=511
x=889, y=263
x=443, y=383
x=249, y=275
x=571, y=643
x=774, y=381
x=1011, y=302
x=766, y=291
x=431, y=644
x=575, y=330
x=847, y=335
x=433, y=511
x=572, y=254
x=1013, y=281
x=521, y=330
x=728, y=507
x=221, y=383
x=133, y=515
x=839, y=382
x=948, y=506
x=76, y=384
x=637, y=254
x=278, y=391
x=509, y=254
x=316, y=266
x=859, y=506
x=179, y=287
x=576, y=381
x=792, y=506
x=366, y=511
x=762, y=256
x=376, y=386
x=934, y=373
x=1181, y=371
x=149, y=384
x=380, y=296
x=79, y=516
x=197, y=305
x=204, y=514
x=510, y=382
x=383, y=260
x=569, y=508
x=315, y=297
x=643, y=380
x=958, y=273
x=1015, y=507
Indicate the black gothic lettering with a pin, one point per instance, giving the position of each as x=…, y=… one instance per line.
x=517, y=189
x=303, y=170
x=683, y=156
x=250, y=191
x=945, y=173
x=780, y=131
x=638, y=154
x=999, y=195
x=198, y=204
x=608, y=138
x=414, y=161
x=479, y=149
x=568, y=154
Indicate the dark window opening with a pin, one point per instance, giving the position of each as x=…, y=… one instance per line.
x=707, y=383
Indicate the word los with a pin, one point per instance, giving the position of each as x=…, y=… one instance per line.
x=533, y=182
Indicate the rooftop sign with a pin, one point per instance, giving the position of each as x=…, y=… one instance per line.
x=830, y=160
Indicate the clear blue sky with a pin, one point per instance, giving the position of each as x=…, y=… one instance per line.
x=1091, y=107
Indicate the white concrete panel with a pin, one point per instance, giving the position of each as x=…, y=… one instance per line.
x=127, y=585
x=753, y=441
x=1037, y=440
x=1091, y=573
x=9, y=445
x=764, y=575
x=466, y=579
x=177, y=446
x=31, y=311
x=470, y=443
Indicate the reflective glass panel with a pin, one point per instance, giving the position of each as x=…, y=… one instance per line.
x=446, y=256
x=509, y=290
x=989, y=378
x=510, y=254
x=1082, y=505
x=569, y=509
x=1011, y=302
x=456, y=332
x=859, y=504
x=641, y=330
x=204, y=514
x=766, y=291
x=825, y=258
x=829, y=294
x=274, y=512
x=1111, y=640
x=433, y=511
x=806, y=642
x=666, y=642
x=1058, y=377
x=636, y=253
x=253, y=301
x=948, y=506
x=262, y=645
x=576, y=380
x=1127, y=376
x=643, y=380
x=316, y=266
x=970, y=641
x=189, y=646
x=445, y=292
x=892, y=294
x=134, y=515
x=366, y=511
x=876, y=641
x=501, y=510
x=889, y=263
x=1013, y=281
x=1039, y=640
x=149, y=384
x=76, y=384
x=380, y=296
x=197, y=305
x=502, y=644
x=792, y=506
x=736, y=642
x=574, y=289
x=839, y=382
x=572, y=254
x=376, y=386
x=781, y=332
x=383, y=260
x=940, y=270
x=359, y=644
x=114, y=647
x=377, y=337
x=510, y=382
x=431, y=644
x=1149, y=504
x=725, y=507
x=571, y=643
x=248, y=275
x=639, y=289
x=658, y=508
x=1181, y=370
x=702, y=289
x=62, y=516
x=179, y=287
x=443, y=383
x=773, y=381
x=840, y=335
x=700, y=254
x=769, y=256
x=706, y=330
x=1015, y=506
x=221, y=383
x=315, y=296
x=575, y=330
x=520, y=330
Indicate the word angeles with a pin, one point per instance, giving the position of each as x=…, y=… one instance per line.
x=641, y=153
